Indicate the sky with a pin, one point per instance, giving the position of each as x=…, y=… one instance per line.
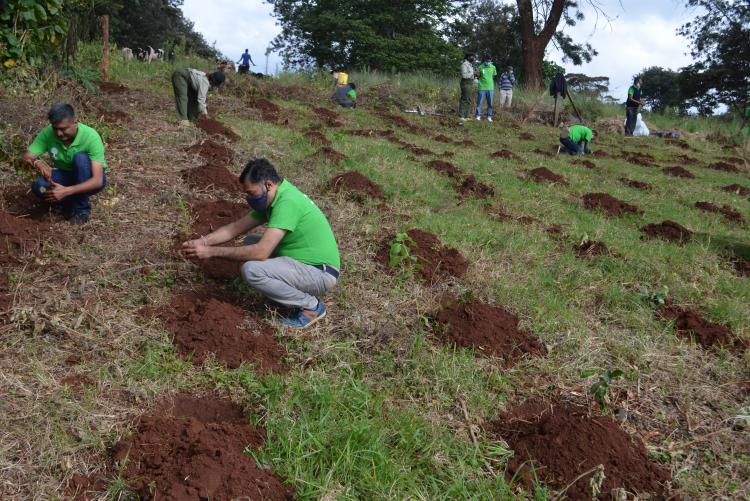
x=641, y=33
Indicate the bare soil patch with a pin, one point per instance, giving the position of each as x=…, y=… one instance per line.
x=526, y=136
x=725, y=210
x=601, y=154
x=639, y=158
x=724, y=167
x=680, y=143
x=214, y=127
x=330, y=154
x=435, y=261
x=506, y=154
x=192, y=448
x=543, y=174
x=113, y=116
x=268, y=110
x=609, y=204
x=687, y=160
x=418, y=150
x=443, y=139
x=588, y=164
x=204, y=325
x=638, y=185
x=737, y=189
x=469, y=185
x=212, y=152
x=210, y=215
x=667, y=230
x=317, y=136
x=591, y=248
x=678, y=171
x=20, y=236
x=741, y=266
x=212, y=175
x=325, y=113
x=561, y=441
x=401, y=122
x=111, y=87
x=445, y=168
x=691, y=325
x=356, y=186
x=19, y=201
x=493, y=330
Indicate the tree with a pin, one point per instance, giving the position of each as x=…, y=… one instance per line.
x=586, y=85
x=378, y=34
x=491, y=28
x=30, y=31
x=720, y=44
x=538, y=22
x=662, y=88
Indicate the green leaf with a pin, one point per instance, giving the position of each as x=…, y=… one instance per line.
x=588, y=373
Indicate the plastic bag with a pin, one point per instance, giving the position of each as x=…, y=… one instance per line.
x=640, y=127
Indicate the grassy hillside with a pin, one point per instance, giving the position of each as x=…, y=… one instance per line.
x=377, y=402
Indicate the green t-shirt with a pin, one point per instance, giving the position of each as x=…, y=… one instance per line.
x=578, y=133
x=309, y=238
x=487, y=72
x=747, y=115
x=352, y=94
x=87, y=140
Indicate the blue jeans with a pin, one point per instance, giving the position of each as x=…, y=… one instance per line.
x=480, y=99
x=81, y=172
x=569, y=146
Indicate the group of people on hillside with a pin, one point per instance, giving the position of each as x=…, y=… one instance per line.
x=483, y=78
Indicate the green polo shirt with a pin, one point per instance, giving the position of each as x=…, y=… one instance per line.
x=578, y=133
x=487, y=72
x=87, y=140
x=309, y=238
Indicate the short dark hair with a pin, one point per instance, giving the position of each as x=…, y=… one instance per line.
x=217, y=78
x=259, y=170
x=353, y=85
x=468, y=55
x=59, y=112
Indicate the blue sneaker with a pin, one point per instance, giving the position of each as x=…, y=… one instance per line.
x=304, y=318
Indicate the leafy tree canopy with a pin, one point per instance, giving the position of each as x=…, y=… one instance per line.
x=662, y=89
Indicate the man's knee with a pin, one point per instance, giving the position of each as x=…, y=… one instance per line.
x=253, y=272
x=39, y=187
x=82, y=160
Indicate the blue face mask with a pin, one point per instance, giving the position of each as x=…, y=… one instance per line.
x=259, y=202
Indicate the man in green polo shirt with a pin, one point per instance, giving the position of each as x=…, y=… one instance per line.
x=486, y=74
x=295, y=261
x=78, y=166
x=575, y=140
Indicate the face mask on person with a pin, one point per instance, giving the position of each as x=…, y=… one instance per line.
x=258, y=202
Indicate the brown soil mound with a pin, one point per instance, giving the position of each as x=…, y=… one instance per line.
x=638, y=185
x=211, y=215
x=204, y=325
x=691, y=325
x=680, y=143
x=678, y=171
x=470, y=186
x=443, y=139
x=325, y=113
x=316, y=136
x=497, y=212
x=418, y=150
x=193, y=448
x=588, y=164
x=214, y=127
x=668, y=230
x=526, y=136
x=639, y=158
x=268, y=110
x=735, y=160
x=435, y=261
x=113, y=116
x=20, y=236
x=741, y=266
x=330, y=154
x=212, y=176
x=466, y=142
x=591, y=248
x=447, y=153
x=543, y=174
x=507, y=154
x=400, y=122
x=212, y=151
x=609, y=204
x=19, y=201
x=686, y=160
x=724, y=167
x=445, y=168
x=491, y=329
x=111, y=87
x=725, y=210
x=737, y=189
x=563, y=441
x=357, y=186
x=601, y=154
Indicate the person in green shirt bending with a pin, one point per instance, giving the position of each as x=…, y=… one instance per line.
x=744, y=124
x=295, y=261
x=486, y=73
x=575, y=140
x=78, y=166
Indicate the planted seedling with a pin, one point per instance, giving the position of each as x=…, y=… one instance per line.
x=601, y=389
x=400, y=256
x=656, y=298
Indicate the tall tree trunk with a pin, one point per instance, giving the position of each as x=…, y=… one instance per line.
x=534, y=44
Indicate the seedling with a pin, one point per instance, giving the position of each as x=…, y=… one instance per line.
x=602, y=390
x=184, y=216
x=654, y=297
x=400, y=256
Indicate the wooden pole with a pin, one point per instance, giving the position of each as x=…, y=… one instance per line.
x=105, y=56
x=570, y=96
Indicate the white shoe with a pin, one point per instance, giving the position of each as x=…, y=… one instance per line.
x=463, y=119
x=489, y=119
x=479, y=118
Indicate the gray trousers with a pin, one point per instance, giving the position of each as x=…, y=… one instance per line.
x=631, y=117
x=286, y=280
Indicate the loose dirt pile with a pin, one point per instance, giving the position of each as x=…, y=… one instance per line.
x=562, y=441
x=638, y=185
x=526, y=136
x=330, y=154
x=214, y=127
x=691, y=325
x=19, y=201
x=680, y=143
x=212, y=176
x=543, y=174
x=506, y=154
x=317, y=136
x=268, y=110
x=193, y=448
x=111, y=87
x=725, y=210
x=686, y=160
x=737, y=189
x=356, y=186
x=588, y=164
x=678, y=171
x=591, y=248
x=418, y=150
x=490, y=329
x=601, y=154
x=113, y=116
x=469, y=185
x=667, y=230
x=212, y=152
x=434, y=261
x=443, y=139
x=741, y=266
x=19, y=236
x=401, y=122
x=724, y=167
x=203, y=325
x=608, y=204
x=211, y=215
x=638, y=158
x=445, y=168
x=325, y=113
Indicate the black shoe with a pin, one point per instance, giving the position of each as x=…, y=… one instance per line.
x=79, y=218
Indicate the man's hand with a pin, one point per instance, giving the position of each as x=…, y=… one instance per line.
x=43, y=169
x=56, y=192
x=196, y=249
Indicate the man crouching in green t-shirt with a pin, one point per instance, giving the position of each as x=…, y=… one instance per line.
x=295, y=261
x=79, y=168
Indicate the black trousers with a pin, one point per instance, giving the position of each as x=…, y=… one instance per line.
x=631, y=116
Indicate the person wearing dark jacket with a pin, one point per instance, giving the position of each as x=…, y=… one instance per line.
x=346, y=96
x=631, y=106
